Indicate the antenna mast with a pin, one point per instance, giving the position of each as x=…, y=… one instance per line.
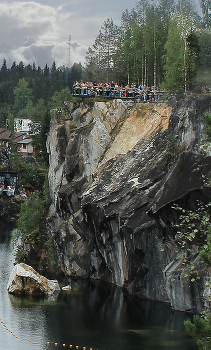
x=68, y=51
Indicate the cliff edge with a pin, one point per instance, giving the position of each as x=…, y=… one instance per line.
x=117, y=168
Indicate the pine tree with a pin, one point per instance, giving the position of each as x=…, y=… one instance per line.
x=104, y=50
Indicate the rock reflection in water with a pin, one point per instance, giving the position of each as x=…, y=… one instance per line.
x=91, y=315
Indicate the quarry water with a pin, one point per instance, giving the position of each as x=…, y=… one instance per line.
x=95, y=316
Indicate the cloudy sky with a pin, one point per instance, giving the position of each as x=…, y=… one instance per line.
x=38, y=31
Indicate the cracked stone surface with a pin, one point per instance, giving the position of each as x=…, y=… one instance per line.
x=116, y=168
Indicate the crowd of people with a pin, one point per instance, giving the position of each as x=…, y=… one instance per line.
x=113, y=90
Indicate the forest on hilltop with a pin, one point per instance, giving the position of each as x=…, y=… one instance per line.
x=165, y=42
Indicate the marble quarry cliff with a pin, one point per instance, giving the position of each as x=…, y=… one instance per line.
x=117, y=169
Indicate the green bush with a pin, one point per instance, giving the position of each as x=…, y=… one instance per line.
x=31, y=222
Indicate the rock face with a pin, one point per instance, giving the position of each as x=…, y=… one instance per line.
x=10, y=207
x=24, y=280
x=116, y=169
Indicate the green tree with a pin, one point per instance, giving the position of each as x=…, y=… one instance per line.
x=31, y=233
x=124, y=55
x=4, y=71
x=130, y=48
x=4, y=114
x=21, y=70
x=182, y=51
x=104, y=50
x=174, y=58
x=59, y=97
x=92, y=71
x=30, y=226
x=46, y=83
x=204, y=67
x=76, y=74
x=200, y=330
x=22, y=94
x=54, y=78
x=29, y=112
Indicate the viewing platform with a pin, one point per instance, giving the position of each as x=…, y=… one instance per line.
x=114, y=92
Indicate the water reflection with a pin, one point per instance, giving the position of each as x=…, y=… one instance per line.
x=92, y=315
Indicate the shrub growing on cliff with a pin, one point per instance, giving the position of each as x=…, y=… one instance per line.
x=195, y=227
x=31, y=220
x=200, y=328
x=192, y=229
x=34, y=247
x=35, y=175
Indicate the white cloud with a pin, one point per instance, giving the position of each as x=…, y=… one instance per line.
x=38, y=31
x=33, y=32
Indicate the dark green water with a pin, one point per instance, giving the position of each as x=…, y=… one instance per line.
x=95, y=316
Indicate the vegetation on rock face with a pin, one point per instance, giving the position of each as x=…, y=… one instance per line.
x=192, y=237
x=200, y=328
x=172, y=149
x=34, y=246
x=29, y=174
x=197, y=225
x=31, y=222
x=208, y=121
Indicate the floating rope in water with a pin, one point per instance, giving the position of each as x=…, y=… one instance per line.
x=4, y=274
x=9, y=330
x=48, y=342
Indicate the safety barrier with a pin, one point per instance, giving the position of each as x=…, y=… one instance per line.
x=109, y=92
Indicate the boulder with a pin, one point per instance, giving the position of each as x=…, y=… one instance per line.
x=24, y=280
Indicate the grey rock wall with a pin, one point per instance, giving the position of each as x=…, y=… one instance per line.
x=116, y=168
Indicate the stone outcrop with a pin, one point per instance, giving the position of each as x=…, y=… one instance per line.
x=116, y=169
x=24, y=280
x=10, y=207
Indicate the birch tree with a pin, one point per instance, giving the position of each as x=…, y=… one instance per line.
x=206, y=12
x=182, y=47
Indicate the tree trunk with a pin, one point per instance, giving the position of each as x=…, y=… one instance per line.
x=155, y=61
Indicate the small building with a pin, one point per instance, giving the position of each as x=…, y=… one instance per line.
x=23, y=140
x=22, y=125
x=25, y=147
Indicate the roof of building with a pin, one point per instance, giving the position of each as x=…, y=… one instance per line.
x=19, y=136
x=5, y=134
x=25, y=141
